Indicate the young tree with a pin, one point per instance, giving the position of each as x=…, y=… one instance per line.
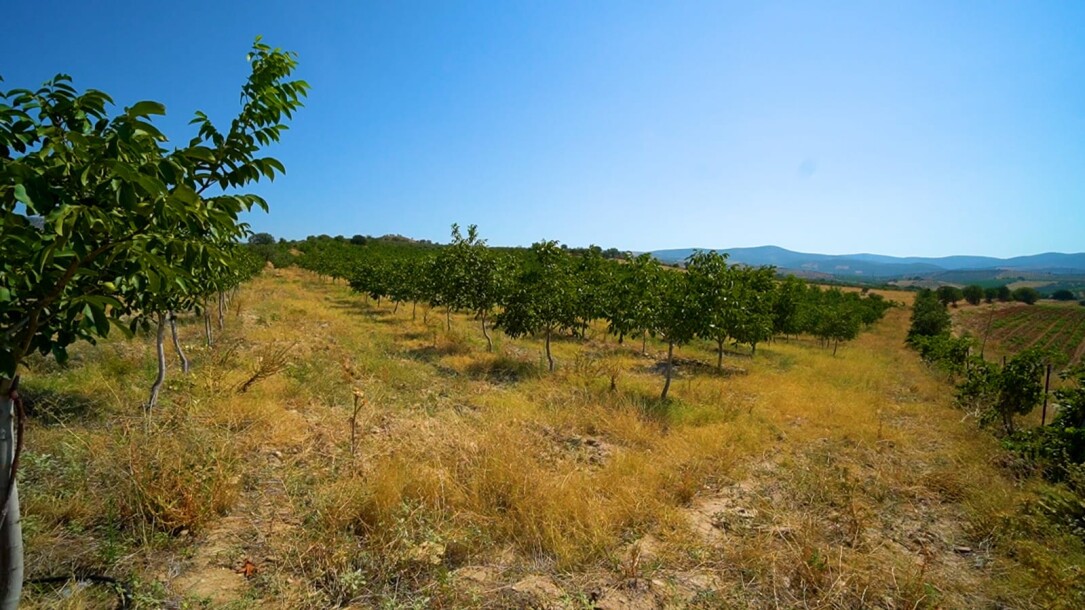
x=542, y=296
x=472, y=276
x=973, y=293
x=1000, y=393
x=109, y=195
x=755, y=295
x=787, y=306
x=929, y=316
x=676, y=321
x=634, y=299
x=1026, y=295
x=716, y=292
x=593, y=279
x=949, y=295
x=838, y=317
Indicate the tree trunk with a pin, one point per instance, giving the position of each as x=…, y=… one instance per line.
x=177, y=343
x=448, y=318
x=396, y=308
x=719, y=355
x=670, y=370
x=161, y=348
x=753, y=349
x=836, y=344
x=489, y=342
x=644, y=343
x=207, y=324
x=621, y=338
x=11, y=532
x=414, y=310
x=222, y=312
x=549, y=358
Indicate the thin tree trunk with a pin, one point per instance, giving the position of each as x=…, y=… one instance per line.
x=719, y=355
x=222, y=313
x=549, y=358
x=396, y=308
x=644, y=343
x=670, y=370
x=489, y=342
x=448, y=318
x=160, y=346
x=753, y=350
x=11, y=532
x=207, y=326
x=414, y=310
x=177, y=343
x=836, y=344
x=621, y=338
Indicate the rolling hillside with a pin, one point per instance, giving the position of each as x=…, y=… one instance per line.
x=1052, y=265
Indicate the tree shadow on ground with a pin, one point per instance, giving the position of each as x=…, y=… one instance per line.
x=50, y=407
x=684, y=367
x=503, y=369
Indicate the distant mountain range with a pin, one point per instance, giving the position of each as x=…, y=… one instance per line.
x=885, y=268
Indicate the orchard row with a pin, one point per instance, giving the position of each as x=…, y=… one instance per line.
x=545, y=290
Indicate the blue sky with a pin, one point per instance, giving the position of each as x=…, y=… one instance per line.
x=903, y=128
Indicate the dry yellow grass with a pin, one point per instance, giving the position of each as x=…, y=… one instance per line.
x=796, y=479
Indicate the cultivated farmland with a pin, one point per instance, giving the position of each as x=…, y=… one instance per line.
x=1011, y=328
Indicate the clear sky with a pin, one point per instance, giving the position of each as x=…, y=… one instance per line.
x=902, y=128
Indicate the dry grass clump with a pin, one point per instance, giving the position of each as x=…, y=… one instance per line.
x=176, y=477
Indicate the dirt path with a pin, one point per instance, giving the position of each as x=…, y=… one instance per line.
x=240, y=546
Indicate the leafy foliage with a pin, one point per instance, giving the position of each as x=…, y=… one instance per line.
x=1026, y=295
x=929, y=316
x=98, y=214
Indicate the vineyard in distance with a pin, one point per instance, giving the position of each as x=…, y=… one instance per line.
x=1013, y=327
x=362, y=433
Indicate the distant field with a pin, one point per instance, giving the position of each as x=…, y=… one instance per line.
x=1015, y=327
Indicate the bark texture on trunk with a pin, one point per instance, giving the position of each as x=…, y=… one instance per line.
x=161, y=351
x=11, y=532
x=670, y=369
x=208, y=335
x=177, y=343
x=222, y=311
x=549, y=358
x=489, y=342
